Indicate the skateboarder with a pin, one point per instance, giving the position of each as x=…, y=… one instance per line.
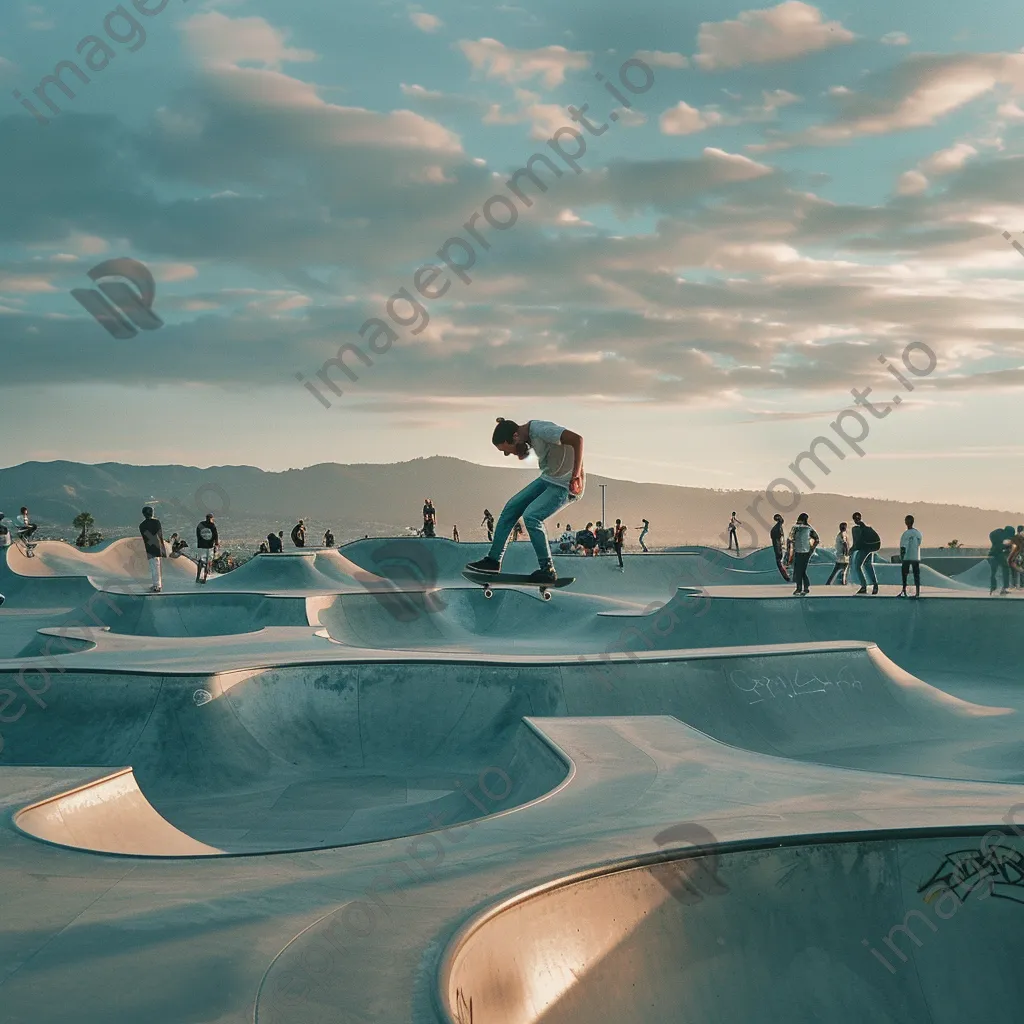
x=561, y=481
x=207, y=541
x=26, y=528
x=643, y=533
x=778, y=546
x=153, y=539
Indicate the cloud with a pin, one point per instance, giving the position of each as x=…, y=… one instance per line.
x=911, y=183
x=425, y=22
x=682, y=119
x=660, y=59
x=790, y=30
x=549, y=63
x=220, y=41
x=916, y=93
x=947, y=160
x=895, y=39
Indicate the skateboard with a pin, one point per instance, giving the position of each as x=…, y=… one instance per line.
x=28, y=547
x=490, y=580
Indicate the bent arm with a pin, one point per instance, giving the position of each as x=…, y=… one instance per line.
x=575, y=442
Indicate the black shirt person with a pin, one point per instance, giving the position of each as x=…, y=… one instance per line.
x=153, y=540
x=778, y=545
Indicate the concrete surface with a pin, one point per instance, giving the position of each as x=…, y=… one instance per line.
x=343, y=786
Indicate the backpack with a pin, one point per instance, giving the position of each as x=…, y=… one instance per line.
x=870, y=540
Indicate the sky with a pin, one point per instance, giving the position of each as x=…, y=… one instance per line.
x=738, y=217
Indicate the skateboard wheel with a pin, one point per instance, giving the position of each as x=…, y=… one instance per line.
x=488, y=593
x=546, y=594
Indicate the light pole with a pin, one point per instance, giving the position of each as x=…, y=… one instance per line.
x=604, y=521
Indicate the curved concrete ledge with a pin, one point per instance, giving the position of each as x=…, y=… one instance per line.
x=832, y=931
x=110, y=815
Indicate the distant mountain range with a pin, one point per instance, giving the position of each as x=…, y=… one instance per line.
x=354, y=500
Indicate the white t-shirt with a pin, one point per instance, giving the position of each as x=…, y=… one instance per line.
x=556, y=459
x=910, y=543
x=800, y=537
x=842, y=556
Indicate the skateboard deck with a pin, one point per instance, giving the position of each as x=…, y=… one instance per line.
x=490, y=580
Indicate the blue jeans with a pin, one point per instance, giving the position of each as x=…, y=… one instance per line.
x=862, y=559
x=533, y=504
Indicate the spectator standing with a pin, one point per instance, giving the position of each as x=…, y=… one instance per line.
x=842, y=564
x=429, y=518
x=802, y=542
x=643, y=533
x=153, y=540
x=568, y=540
x=733, y=538
x=299, y=534
x=274, y=543
x=910, y=557
x=488, y=521
x=328, y=539
x=778, y=545
x=618, y=539
x=207, y=542
x=455, y=533
x=865, y=543
x=998, y=558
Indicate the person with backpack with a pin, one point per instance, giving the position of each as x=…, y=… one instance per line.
x=777, y=533
x=842, y=566
x=274, y=543
x=802, y=542
x=865, y=543
x=299, y=534
x=153, y=540
x=618, y=539
x=910, y=557
x=207, y=542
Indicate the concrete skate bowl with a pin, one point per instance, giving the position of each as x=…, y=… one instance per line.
x=513, y=621
x=830, y=930
x=272, y=761
x=306, y=757
x=206, y=613
x=951, y=633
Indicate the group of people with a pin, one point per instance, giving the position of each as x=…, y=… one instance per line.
x=593, y=540
x=853, y=549
x=274, y=544
x=151, y=531
x=1006, y=559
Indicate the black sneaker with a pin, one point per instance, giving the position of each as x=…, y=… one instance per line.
x=547, y=575
x=485, y=565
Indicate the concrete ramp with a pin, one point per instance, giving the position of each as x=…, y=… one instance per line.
x=291, y=570
x=110, y=815
x=812, y=932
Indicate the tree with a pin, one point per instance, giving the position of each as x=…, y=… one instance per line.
x=954, y=544
x=88, y=537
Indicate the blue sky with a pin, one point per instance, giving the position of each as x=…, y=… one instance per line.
x=798, y=190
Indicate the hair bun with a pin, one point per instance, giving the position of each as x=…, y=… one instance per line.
x=500, y=419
